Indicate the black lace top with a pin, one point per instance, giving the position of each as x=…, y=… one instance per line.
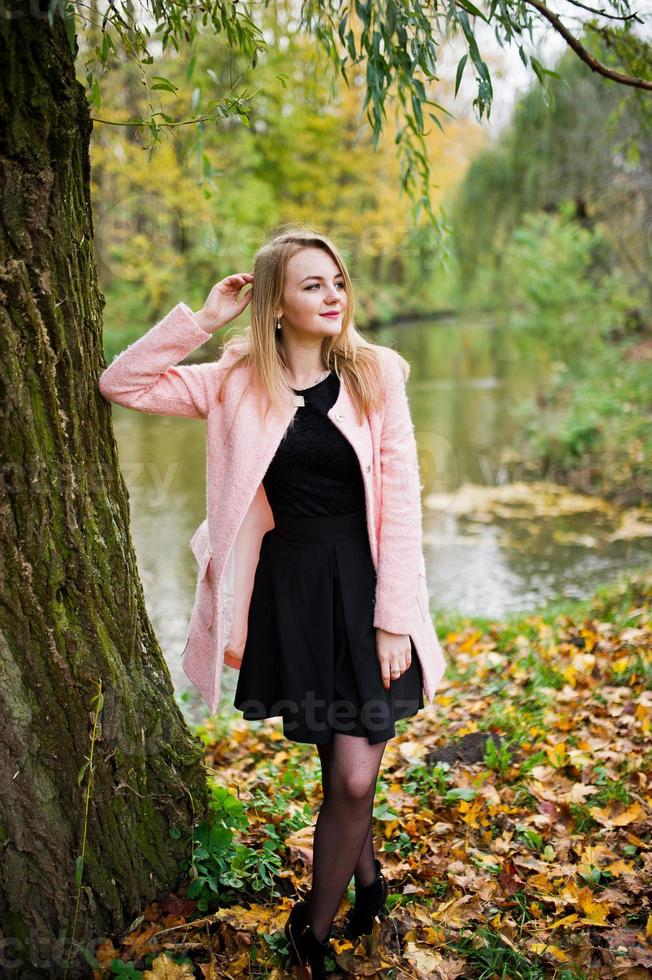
x=315, y=470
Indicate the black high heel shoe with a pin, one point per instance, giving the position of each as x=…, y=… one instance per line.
x=369, y=902
x=304, y=947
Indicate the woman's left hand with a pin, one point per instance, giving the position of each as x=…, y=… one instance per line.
x=394, y=655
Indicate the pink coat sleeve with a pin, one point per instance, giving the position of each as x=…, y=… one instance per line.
x=146, y=375
x=400, y=540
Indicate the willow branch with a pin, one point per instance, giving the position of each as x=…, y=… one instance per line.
x=585, y=55
x=602, y=13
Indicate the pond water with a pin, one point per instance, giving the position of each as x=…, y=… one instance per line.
x=493, y=544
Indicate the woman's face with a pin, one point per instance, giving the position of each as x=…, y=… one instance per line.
x=314, y=286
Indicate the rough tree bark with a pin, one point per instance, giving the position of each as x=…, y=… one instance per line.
x=72, y=609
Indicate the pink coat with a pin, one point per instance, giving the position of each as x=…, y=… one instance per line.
x=240, y=446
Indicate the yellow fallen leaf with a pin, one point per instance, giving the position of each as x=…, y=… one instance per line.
x=467, y=729
x=595, y=913
x=390, y=827
x=468, y=644
x=341, y=945
x=557, y=754
x=646, y=722
x=252, y=919
x=471, y=811
x=566, y=921
x=609, y=816
x=569, y=675
x=209, y=971
x=540, y=883
x=593, y=854
x=590, y=638
x=555, y=951
x=579, y=759
x=458, y=911
x=570, y=893
x=163, y=968
x=620, y=867
x=564, y=723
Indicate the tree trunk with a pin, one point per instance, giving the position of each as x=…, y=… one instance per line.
x=73, y=611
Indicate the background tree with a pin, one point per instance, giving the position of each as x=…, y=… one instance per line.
x=583, y=142
x=551, y=231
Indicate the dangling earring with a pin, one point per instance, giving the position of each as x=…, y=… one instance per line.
x=278, y=323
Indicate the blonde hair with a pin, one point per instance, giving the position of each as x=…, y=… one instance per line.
x=349, y=354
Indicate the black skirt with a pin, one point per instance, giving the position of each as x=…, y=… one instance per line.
x=310, y=655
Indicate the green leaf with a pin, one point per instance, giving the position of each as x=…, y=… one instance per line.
x=541, y=70
x=97, y=701
x=472, y=9
x=190, y=68
x=163, y=83
x=460, y=71
x=106, y=44
x=463, y=793
x=416, y=108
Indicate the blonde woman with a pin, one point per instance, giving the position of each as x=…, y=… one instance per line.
x=311, y=572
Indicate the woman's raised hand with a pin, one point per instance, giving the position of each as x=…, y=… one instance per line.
x=222, y=304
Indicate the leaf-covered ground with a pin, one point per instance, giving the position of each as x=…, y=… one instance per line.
x=533, y=861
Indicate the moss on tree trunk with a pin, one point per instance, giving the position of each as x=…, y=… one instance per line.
x=73, y=609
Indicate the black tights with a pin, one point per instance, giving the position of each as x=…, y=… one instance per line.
x=343, y=843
